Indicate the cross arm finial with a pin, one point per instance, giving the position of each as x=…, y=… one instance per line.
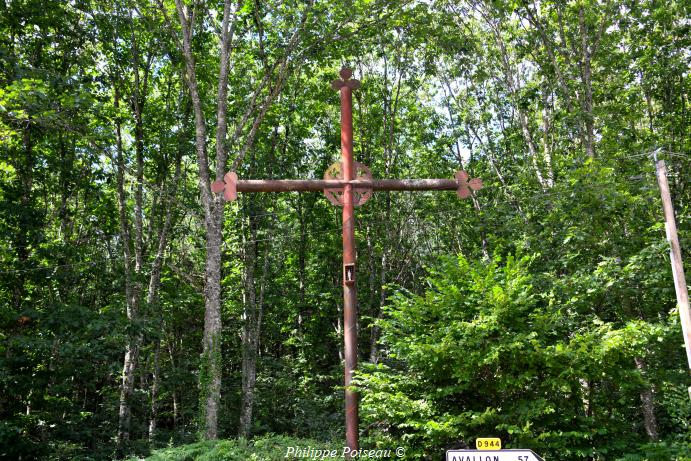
x=346, y=73
x=228, y=186
x=465, y=184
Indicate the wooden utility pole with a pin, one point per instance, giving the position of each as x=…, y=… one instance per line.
x=348, y=184
x=675, y=257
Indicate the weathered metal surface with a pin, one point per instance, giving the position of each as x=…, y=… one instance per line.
x=217, y=186
x=465, y=185
x=349, y=289
x=228, y=186
x=414, y=184
x=345, y=80
x=316, y=185
x=230, y=192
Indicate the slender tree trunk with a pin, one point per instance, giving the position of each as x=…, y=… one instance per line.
x=213, y=206
x=339, y=333
x=586, y=394
x=302, y=271
x=589, y=46
x=155, y=378
x=390, y=113
x=648, y=404
x=126, y=390
x=249, y=333
x=254, y=309
x=138, y=99
x=374, y=335
x=155, y=284
x=512, y=81
x=173, y=391
x=137, y=104
x=546, y=142
x=131, y=292
x=586, y=78
x=647, y=396
x=25, y=171
x=66, y=169
x=550, y=46
x=210, y=378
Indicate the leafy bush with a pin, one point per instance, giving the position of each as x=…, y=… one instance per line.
x=482, y=353
x=268, y=448
x=15, y=444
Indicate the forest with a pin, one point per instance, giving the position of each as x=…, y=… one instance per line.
x=144, y=317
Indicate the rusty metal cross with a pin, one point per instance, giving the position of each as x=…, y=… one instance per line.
x=348, y=184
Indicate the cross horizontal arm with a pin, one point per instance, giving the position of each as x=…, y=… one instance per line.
x=318, y=185
x=231, y=185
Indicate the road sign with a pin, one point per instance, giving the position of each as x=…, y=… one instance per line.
x=488, y=443
x=494, y=455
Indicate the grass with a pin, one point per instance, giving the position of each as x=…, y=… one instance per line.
x=267, y=448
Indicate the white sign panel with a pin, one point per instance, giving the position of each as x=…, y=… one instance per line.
x=492, y=455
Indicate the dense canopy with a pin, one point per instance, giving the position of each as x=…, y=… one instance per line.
x=138, y=310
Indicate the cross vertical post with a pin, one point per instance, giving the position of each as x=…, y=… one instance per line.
x=349, y=287
x=348, y=184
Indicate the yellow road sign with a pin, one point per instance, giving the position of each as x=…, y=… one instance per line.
x=488, y=443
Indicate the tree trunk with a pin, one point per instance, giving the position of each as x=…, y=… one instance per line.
x=249, y=333
x=210, y=377
x=131, y=293
x=647, y=404
x=390, y=113
x=339, y=333
x=138, y=99
x=586, y=78
x=254, y=309
x=156, y=372
x=546, y=142
x=25, y=173
x=213, y=204
x=173, y=390
x=155, y=284
x=302, y=271
x=512, y=81
x=374, y=335
x=586, y=394
x=213, y=207
x=250, y=352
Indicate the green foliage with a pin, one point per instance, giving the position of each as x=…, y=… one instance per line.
x=482, y=354
x=267, y=448
x=15, y=445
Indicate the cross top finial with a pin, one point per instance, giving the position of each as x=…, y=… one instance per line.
x=346, y=73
